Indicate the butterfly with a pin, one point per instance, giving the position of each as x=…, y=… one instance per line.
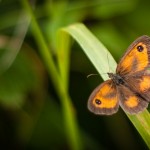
x=129, y=87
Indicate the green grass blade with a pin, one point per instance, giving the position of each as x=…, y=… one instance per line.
x=95, y=50
x=100, y=56
x=63, y=56
x=142, y=124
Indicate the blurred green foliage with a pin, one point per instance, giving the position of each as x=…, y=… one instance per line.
x=30, y=109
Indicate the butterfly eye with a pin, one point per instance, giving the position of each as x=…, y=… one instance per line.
x=140, y=48
x=98, y=102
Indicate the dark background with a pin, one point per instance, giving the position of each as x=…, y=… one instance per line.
x=30, y=110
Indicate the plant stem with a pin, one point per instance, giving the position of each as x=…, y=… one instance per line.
x=69, y=116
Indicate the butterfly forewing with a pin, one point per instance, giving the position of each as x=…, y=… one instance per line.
x=137, y=57
x=104, y=99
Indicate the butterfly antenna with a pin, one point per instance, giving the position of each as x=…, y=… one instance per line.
x=93, y=74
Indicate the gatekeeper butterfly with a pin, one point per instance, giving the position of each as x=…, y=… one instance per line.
x=129, y=87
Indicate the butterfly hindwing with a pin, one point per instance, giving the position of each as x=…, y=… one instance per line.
x=140, y=83
x=131, y=102
x=104, y=99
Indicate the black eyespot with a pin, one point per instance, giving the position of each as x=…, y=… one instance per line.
x=98, y=102
x=140, y=48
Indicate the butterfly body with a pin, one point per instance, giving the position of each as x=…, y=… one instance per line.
x=117, y=79
x=129, y=87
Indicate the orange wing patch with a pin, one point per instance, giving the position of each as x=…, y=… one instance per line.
x=135, y=60
x=144, y=83
x=132, y=101
x=101, y=102
x=104, y=99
